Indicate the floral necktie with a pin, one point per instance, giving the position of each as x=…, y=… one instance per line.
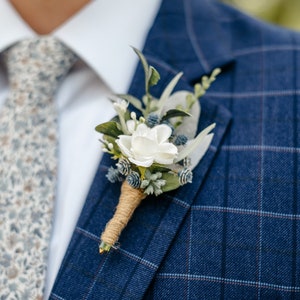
x=28, y=163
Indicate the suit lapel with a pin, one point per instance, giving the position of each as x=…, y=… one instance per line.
x=127, y=271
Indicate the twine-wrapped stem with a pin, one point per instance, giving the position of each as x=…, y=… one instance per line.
x=129, y=200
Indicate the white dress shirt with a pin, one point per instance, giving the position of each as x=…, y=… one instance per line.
x=101, y=35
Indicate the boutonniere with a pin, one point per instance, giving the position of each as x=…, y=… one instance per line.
x=156, y=148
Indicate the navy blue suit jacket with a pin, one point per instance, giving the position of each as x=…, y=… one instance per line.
x=234, y=233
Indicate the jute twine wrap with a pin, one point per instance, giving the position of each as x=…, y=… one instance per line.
x=129, y=200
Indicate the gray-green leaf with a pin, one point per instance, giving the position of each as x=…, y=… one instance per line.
x=168, y=90
x=109, y=128
x=132, y=100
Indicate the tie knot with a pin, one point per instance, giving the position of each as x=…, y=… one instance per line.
x=42, y=59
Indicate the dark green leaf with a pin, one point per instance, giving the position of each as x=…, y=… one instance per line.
x=172, y=113
x=109, y=128
x=158, y=168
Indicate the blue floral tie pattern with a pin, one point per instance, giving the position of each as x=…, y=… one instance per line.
x=28, y=163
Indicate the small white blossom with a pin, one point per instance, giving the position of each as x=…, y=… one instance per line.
x=133, y=115
x=121, y=106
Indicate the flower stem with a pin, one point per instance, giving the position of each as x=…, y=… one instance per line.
x=129, y=200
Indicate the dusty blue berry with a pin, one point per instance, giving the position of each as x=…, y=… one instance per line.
x=152, y=119
x=124, y=166
x=180, y=140
x=134, y=179
x=185, y=176
x=113, y=175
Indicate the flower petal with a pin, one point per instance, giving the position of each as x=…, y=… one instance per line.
x=166, y=154
x=142, y=163
x=124, y=143
x=163, y=132
x=142, y=146
x=141, y=130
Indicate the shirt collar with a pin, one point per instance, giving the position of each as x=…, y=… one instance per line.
x=100, y=34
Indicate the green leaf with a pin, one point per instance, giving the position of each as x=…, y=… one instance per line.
x=172, y=113
x=168, y=90
x=158, y=168
x=115, y=119
x=153, y=105
x=153, y=76
x=172, y=182
x=109, y=128
x=132, y=100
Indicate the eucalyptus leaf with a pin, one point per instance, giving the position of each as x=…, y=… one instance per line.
x=172, y=113
x=145, y=66
x=200, y=150
x=172, y=182
x=109, y=128
x=145, y=100
x=153, y=106
x=168, y=90
x=192, y=145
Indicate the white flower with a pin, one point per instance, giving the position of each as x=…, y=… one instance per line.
x=148, y=145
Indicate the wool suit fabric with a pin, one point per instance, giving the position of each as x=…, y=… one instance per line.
x=234, y=233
